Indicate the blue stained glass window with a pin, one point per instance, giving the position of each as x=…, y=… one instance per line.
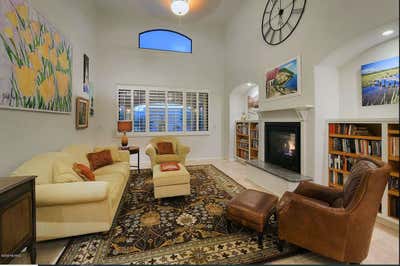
x=165, y=40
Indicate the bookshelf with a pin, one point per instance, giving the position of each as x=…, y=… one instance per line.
x=393, y=160
x=379, y=139
x=347, y=142
x=247, y=140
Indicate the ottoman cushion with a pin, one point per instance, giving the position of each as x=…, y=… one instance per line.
x=251, y=208
x=170, y=178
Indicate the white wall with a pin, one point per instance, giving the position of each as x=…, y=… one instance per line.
x=121, y=62
x=325, y=26
x=350, y=84
x=24, y=134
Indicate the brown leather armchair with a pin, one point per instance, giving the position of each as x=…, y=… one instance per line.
x=332, y=223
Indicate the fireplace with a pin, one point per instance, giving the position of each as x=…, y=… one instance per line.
x=282, y=145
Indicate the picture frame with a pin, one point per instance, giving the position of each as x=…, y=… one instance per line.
x=82, y=113
x=380, y=82
x=284, y=80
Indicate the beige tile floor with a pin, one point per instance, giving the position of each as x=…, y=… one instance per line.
x=384, y=247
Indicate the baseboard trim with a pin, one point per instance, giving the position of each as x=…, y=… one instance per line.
x=388, y=222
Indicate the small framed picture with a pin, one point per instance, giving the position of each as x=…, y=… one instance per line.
x=82, y=113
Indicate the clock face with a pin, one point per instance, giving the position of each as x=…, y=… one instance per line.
x=280, y=19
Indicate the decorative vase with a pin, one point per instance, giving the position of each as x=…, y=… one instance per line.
x=124, y=140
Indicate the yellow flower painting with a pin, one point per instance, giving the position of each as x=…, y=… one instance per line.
x=39, y=60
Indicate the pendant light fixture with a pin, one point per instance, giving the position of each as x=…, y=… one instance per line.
x=180, y=7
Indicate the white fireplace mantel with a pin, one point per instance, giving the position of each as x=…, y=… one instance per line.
x=302, y=111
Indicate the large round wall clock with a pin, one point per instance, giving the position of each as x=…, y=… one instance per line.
x=280, y=19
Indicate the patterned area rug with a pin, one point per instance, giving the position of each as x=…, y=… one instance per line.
x=181, y=230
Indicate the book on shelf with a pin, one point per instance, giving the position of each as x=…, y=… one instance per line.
x=394, y=143
x=393, y=183
x=358, y=146
x=348, y=129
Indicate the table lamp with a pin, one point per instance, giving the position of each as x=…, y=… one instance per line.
x=124, y=126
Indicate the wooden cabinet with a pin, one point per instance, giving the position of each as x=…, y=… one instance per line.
x=17, y=217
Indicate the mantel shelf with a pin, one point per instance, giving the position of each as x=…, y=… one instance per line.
x=286, y=108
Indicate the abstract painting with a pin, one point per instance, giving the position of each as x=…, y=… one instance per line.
x=35, y=61
x=82, y=113
x=380, y=82
x=283, y=80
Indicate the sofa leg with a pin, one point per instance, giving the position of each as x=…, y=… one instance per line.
x=260, y=240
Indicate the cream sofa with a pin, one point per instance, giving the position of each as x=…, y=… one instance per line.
x=75, y=208
x=180, y=151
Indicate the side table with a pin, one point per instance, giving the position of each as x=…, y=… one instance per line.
x=17, y=217
x=133, y=150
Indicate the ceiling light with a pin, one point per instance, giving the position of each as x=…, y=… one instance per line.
x=388, y=32
x=180, y=7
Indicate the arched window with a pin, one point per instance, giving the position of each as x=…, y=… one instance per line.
x=165, y=40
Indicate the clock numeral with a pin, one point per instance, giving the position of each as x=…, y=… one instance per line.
x=268, y=31
x=297, y=11
x=272, y=37
x=290, y=26
x=280, y=35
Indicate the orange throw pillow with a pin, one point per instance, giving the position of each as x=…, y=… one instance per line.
x=99, y=159
x=84, y=172
x=165, y=148
x=166, y=167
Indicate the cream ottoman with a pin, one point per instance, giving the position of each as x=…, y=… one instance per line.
x=171, y=183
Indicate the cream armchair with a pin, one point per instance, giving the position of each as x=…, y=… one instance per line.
x=180, y=151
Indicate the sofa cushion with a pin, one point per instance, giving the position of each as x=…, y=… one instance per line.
x=165, y=148
x=41, y=166
x=63, y=171
x=167, y=158
x=84, y=172
x=78, y=152
x=173, y=140
x=120, y=168
x=114, y=152
x=99, y=159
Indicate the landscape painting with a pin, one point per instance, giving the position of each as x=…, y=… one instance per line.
x=283, y=80
x=380, y=82
x=35, y=61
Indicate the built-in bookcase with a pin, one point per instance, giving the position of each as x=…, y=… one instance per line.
x=348, y=140
x=247, y=140
x=394, y=161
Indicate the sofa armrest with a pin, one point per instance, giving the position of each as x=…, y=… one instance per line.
x=70, y=193
x=319, y=192
x=299, y=215
x=124, y=156
x=182, y=150
x=151, y=151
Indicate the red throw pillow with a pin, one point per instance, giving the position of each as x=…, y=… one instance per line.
x=84, y=172
x=165, y=148
x=173, y=166
x=99, y=159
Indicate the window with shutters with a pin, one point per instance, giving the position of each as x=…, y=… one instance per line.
x=164, y=111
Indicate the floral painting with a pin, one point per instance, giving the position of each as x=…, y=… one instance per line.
x=283, y=80
x=35, y=61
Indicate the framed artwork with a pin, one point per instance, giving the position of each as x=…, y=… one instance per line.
x=35, y=61
x=86, y=80
x=380, y=82
x=284, y=80
x=82, y=113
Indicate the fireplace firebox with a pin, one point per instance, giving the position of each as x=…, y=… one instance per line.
x=282, y=145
